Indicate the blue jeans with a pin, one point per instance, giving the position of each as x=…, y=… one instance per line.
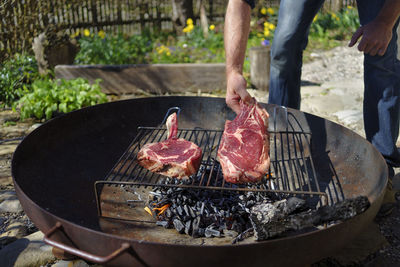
x=381, y=73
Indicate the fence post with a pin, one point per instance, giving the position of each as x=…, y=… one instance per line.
x=260, y=59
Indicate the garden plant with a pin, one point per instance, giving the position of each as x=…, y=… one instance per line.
x=41, y=97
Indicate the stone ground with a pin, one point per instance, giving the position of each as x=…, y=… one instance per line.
x=332, y=88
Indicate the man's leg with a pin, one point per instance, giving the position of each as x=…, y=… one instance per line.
x=290, y=39
x=382, y=91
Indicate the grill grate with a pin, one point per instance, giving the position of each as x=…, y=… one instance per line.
x=292, y=168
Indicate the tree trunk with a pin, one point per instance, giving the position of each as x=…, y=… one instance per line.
x=181, y=11
x=203, y=18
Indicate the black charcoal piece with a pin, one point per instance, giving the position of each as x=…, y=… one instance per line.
x=201, y=231
x=179, y=226
x=179, y=210
x=188, y=227
x=212, y=232
x=186, y=209
x=168, y=213
x=294, y=204
x=162, y=223
x=202, y=208
x=192, y=213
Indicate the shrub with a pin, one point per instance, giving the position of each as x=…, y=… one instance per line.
x=337, y=26
x=16, y=74
x=49, y=97
x=108, y=49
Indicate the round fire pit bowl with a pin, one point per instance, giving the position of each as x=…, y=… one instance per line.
x=55, y=168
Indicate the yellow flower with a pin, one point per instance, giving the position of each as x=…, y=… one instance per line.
x=188, y=28
x=101, y=34
x=263, y=11
x=75, y=34
x=349, y=7
x=259, y=34
x=189, y=21
x=168, y=53
x=266, y=32
x=269, y=26
x=315, y=18
x=271, y=11
x=86, y=32
x=212, y=27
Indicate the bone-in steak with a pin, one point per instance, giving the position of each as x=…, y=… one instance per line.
x=173, y=157
x=244, y=150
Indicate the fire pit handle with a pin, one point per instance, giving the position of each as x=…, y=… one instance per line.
x=82, y=254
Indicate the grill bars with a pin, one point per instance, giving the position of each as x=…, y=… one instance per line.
x=292, y=168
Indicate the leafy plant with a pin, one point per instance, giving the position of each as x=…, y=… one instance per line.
x=109, y=49
x=49, y=97
x=17, y=72
x=337, y=26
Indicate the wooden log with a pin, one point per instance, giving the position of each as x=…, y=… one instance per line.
x=260, y=59
x=271, y=220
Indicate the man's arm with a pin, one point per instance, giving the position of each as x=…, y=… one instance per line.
x=377, y=34
x=236, y=32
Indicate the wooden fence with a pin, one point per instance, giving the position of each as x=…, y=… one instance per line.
x=22, y=20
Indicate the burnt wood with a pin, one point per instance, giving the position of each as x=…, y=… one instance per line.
x=271, y=220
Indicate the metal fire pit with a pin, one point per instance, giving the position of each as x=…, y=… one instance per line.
x=56, y=166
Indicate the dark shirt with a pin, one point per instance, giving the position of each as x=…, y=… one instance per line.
x=251, y=3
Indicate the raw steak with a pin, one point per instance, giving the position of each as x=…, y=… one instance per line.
x=172, y=157
x=244, y=150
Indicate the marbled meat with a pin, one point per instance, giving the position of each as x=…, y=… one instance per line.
x=244, y=150
x=173, y=157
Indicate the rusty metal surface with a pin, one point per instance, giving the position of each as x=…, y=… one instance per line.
x=65, y=156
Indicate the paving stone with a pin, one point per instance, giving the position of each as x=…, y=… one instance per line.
x=10, y=204
x=15, y=229
x=27, y=251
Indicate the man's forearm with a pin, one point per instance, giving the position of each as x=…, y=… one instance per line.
x=389, y=13
x=236, y=32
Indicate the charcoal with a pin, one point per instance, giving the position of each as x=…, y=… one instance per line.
x=250, y=203
x=179, y=226
x=246, y=234
x=209, y=232
x=179, y=210
x=162, y=223
x=168, y=213
x=186, y=209
x=188, y=227
x=294, y=204
x=192, y=213
x=202, y=208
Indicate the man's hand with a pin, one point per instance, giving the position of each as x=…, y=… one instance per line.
x=375, y=38
x=236, y=91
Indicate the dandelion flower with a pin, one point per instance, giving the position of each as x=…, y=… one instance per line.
x=189, y=21
x=271, y=11
x=271, y=26
x=266, y=32
x=86, y=32
x=212, y=27
x=102, y=34
x=263, y=11
x=349, y=7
